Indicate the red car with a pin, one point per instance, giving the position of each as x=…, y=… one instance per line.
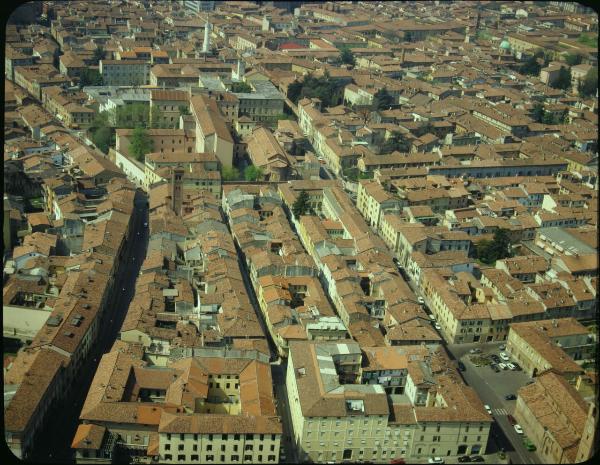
x=511, y=419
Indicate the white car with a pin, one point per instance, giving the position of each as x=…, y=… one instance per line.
x=518, y=429
x=511, y=366
x=436, y=326
x=475, y=351
x=488, y=409
x=420, y=300
x=435, y=460
x=502, y=366
x=504, y=356
x=432, y=317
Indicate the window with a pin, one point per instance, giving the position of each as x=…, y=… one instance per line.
x=235, y=458
x=168, y=457
x=167, y=446
x=180, y=447
x=209, y=447
x=195, y=447
x=181, y=457
x=222, y=447
x=247, y=457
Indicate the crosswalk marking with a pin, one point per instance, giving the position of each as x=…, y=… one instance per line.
x=500, y=411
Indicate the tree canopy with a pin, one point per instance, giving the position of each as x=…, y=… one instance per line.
x=531, y=66
x=498, y=248
x=382, y=99
x=323, y=88
x=589, y=86
x=347, y=57
x=563, y=81
x=574, y=59
x=90, y=77
x=101, y=137
x=301, y=206
x=538, y=112
x=98, y=54
x=396, y=142
x=253, y=173
x=140, y=143
x=241, y=87
x=230, y=173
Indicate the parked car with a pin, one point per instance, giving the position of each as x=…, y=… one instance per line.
x=421, y=300
x=488, y=409
x=517, y=366
x=461, y=366
x=502, y=366
x=475, y=351
x=510, y=397
x=518, y=429
x=437, y=326
x=477, y=458
x=511, y=366
x=494, y=367
x=495, y=358
x=435, y=460
x=464, y=458
x=504, y=356
x=511, y=419
x=530, y=446
x=432, y=316
x=502, y=347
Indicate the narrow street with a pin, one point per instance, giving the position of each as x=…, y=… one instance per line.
x=55, y=445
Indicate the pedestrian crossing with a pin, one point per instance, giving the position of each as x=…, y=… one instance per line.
x=499, y=411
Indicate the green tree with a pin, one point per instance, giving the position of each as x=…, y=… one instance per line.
x=564, y=116
x=538, y=112
x=382, y=99
x=294, y=90
x=573, y=59
x=183, y=110
x=396, y=142
x=101, y=137
x=98, y=55
x=90, y=77
x=140, y=144
x=253, y=173
x=531, y=66
x=589, y=86
x=589, y=41
x=498, y=248
x=347, y=56
x=230, y=173
x=563, y=81
x=241, y=87
x=548, y=118
x=301, y=206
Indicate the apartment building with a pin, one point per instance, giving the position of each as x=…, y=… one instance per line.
x=557, y=420
x=124, y=72
x=212, y=133
x=171, y=104
x=335, y=418
x=555, y=344
x=202, y=408
x=34, y=78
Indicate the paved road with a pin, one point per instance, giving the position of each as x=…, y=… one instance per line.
x=54, y=446
x=278, y=373
x=491, y=388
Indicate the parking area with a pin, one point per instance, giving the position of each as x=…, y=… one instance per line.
x=492, y=388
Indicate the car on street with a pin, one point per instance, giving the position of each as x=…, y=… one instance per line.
x=395, y=260
x=435, y=460
x=494, y=367
x=421, y=300
x=510, y=397
x=432, y=317
x=464, y=458
x=461, y=366
x=517, y=366
x=475, y=351
x=477, y=458
x=504, y=356
x=502, y=366
x=437, y=326
x=511, y=419
x=145, y=224
x=518, y=429
x=488, y=409
x=511, y=366
x=502, y=347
